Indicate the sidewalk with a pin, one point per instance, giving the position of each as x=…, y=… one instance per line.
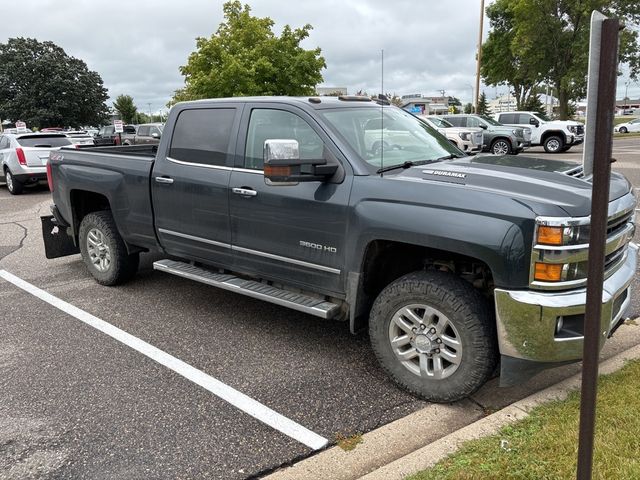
x=420, y=440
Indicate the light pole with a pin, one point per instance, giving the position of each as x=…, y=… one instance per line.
x=479, y=55
x=150, y=115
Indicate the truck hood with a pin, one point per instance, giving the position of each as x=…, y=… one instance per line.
x=533, y=181
x=562, y=123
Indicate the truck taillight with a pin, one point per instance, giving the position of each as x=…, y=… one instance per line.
x=49, y=176
x=22, y=160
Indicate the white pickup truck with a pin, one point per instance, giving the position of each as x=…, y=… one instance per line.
x=554, y=135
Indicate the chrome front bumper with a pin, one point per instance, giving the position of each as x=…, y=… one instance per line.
x=527, y=320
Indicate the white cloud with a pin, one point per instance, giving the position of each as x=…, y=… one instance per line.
x=138, y=47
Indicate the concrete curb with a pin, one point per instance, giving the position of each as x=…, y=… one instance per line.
x=431, y=454
x=412, y=444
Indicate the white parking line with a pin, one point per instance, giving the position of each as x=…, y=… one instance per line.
x=219, y=389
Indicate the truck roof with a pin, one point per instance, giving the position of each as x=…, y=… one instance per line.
x=316, y=102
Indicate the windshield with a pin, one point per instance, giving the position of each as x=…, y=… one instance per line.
x=388, y=137
x=490, y=121
x=543, y=116
x=440, y=122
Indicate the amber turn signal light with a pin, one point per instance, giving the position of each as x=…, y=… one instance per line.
x=548, y=272
x=550, y=235
x=277, y=171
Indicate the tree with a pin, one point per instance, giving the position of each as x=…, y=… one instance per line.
x=126, y=108
x=549, y=40
x=533, y=104
x=468, y=108
x=44, y=87
x=245, y=57
x=483, y=108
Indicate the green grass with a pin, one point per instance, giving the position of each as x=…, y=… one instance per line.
x=544, y=445
x=625, y=119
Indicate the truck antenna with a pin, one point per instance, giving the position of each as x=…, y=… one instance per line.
x=381, y=113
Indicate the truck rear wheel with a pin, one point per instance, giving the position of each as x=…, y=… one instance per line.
x=434, y=335
x=103, y=250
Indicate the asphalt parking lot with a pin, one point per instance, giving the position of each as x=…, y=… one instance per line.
x=77, y=403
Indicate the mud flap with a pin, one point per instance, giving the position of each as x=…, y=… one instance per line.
x=56, y=241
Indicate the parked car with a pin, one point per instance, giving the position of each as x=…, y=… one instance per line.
x=631, y=126
x=146, y=133
x=107, y=135
x=23, y=157
x=469, y=140
x=498, y=139
x=79, y=137
x=453, y=263
x=554, y=135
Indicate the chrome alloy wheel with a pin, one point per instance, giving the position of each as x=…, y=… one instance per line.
x=8, y=178
x=98, y=250
x=425, y=341
x=500, y=148
x=553, y=145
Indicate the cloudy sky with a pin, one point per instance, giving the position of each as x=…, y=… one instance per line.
x=137, y=47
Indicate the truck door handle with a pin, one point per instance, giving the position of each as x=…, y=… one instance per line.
x=164, y=180
x=247, y=192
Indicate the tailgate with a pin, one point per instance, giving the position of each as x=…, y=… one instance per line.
x=36, y=157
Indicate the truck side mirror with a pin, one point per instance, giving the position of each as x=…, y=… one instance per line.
x=283, y=165
x=533, y=121
x=155, y=135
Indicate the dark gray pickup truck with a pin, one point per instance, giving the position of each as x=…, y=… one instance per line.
x=346, y=209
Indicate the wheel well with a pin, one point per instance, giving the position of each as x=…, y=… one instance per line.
x=84, y=202
x=385, y=261
x=552, y=133
x=506, y=139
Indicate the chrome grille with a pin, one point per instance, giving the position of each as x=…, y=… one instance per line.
x=577, y=172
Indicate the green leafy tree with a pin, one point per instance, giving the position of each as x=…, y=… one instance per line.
x=549, y=40
x=245, y=57
x=533, y=104
x=44, y=87
x=126, y=108
x=483, y=108
x=468, y=108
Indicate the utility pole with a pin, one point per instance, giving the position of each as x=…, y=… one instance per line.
x=479, y=55
x=150, y=115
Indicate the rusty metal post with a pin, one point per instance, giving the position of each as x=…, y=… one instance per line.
x=593, y=329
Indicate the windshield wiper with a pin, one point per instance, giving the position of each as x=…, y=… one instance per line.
x=410, y=164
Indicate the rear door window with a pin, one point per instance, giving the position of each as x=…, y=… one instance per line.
x=202, y=136
x=44, y=141
x=510, y=118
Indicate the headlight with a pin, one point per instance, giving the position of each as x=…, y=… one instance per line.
x=572, y=128
x=561, y=236
x=466, y=136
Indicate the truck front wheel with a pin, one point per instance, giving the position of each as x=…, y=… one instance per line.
x=103, y=250
x=553, y=144
x=434, y=335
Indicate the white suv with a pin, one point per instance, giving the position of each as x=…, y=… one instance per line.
x=554, y=135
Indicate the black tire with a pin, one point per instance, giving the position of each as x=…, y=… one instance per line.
x=121, y=266
x=623, y=130
x=463, y=307
x=14, y=185
x=553, y=144
x=501, y=146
